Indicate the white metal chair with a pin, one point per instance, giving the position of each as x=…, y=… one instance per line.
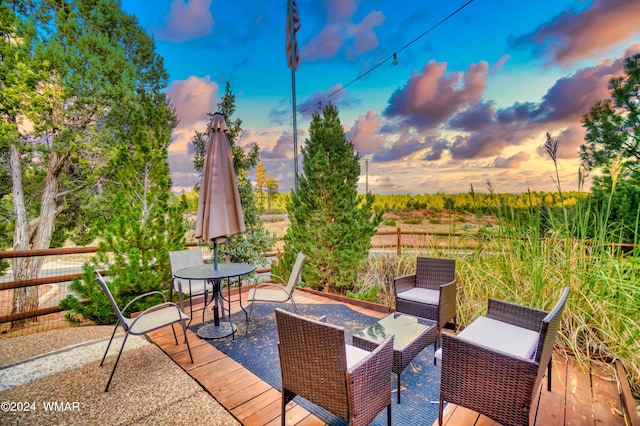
x=280, y=292
x=158, y=316
x=189, y=288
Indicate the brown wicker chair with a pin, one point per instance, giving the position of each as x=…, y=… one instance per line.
x=491, y=368
x=430, y=293
x=316, y=364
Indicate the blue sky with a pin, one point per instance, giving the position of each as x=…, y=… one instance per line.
x=468, y=102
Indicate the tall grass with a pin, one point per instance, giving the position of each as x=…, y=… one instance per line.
x=529, y=260
x=602, y=316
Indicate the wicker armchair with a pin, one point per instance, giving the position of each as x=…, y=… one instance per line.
x=430, y=293
x=495, y=365
x=316, y=364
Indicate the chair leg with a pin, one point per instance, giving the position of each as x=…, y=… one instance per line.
x=389, y=415
x=184, y=330
x=175, y=337
x=295, y=308
x=283, y=410
x=440, y=411
x=180, y=295
x=399, y=386
x=109, y=344
x=435, y=347
x=249, y=318
x=206, y=295
x=549, y=374
x=126, y=336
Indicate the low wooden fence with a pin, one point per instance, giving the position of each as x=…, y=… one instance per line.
x=62, y=265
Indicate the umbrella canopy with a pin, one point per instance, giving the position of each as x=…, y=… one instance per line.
x=219, y=210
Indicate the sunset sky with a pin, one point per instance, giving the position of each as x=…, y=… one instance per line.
x=469, y=101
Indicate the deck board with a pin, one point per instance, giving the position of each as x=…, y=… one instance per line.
x=577, y=398
x=579, y=406
x=605, y=394
x=554, y=401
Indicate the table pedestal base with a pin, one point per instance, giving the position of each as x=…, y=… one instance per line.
x=212, y=331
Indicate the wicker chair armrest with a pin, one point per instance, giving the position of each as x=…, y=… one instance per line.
x=448, y=290
x=369, y=381
x=141, y=297
x=519, y=315
x=403, y=283
x=374, y=358
x=448, y=302
x=472, y=375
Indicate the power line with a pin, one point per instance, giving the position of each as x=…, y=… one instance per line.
x=394, y=55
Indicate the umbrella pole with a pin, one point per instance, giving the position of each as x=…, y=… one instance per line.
x=218, y=284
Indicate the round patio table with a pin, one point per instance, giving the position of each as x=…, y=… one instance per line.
x=217, y=329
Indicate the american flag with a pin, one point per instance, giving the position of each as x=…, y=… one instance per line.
x=292, y=43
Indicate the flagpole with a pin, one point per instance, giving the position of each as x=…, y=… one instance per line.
x=293, y=50
x=295, y=127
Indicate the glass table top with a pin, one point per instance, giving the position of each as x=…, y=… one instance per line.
x=405, y=329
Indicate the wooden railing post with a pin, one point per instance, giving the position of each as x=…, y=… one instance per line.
x=399, y=242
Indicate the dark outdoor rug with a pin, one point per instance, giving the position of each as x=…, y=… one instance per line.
x=258, y=352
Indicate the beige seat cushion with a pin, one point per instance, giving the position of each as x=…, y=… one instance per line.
x=421, y=295
x=355, y=355
x=501, y=336
x=268, y=295
x=197, y=286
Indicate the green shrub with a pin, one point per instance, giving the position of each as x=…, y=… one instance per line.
x=370, y=295
x=413, y=221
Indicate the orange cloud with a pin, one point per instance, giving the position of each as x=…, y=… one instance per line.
x=432, y=96
x=193, y=98
x=514, y=162
x=186, y=21
x=342, y=34
x=572, y=36
x=365, y=133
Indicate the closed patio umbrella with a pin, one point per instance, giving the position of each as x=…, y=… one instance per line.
x=219, y=211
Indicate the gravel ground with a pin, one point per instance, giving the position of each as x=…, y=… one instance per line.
x=62, y=366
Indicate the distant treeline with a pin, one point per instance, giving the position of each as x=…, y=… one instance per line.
x=477, y=202
x=473, y=202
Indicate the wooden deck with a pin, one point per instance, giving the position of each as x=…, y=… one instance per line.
x=578, y=397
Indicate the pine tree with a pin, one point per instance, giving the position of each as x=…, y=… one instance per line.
x=260, y=187
x=71, y=74
x=250, y=246
x=613, y=147
x=330, y=223
x=272, y=191
x=142, y=224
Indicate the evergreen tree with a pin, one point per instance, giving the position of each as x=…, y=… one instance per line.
x=143, y=222
x=251, y=246
x=330, y=223
x=613, y=146
x=71, y=72
x=272, y=191
x=261, y=182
